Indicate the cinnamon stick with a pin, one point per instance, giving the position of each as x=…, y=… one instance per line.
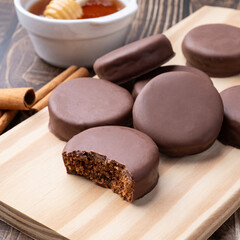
x=81, y=72
x=16, y=98
x=42, y=92
x=6, y=118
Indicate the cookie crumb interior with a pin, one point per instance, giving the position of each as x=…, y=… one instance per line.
x=101, y=170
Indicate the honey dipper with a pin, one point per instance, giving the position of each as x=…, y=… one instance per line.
x=64, y=9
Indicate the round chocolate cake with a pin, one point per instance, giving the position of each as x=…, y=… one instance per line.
x=230, y=132
x=134, y=59
x=213, y=48
x=181, y=113
x=87, y=102
x=123, y=159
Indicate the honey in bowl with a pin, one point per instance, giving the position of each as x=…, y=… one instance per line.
x=92, y=8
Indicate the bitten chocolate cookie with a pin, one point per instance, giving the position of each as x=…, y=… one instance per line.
x=181, y=113
x=230, y=132
x=115, y=157
x=144, y=79
x=214, y=48
x=134, y=59
x=87, y=102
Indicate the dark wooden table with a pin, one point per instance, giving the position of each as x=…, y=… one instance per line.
x=21, y=67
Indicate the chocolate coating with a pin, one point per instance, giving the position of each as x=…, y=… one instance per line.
x=87, y=102
x=127, y=146
x=214, y=48
x=230, y=132
x=144, y=79
x=134, y=59
x=181, y=113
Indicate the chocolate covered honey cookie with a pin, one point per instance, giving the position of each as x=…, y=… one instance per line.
x=120, y=158
x=213, y=48
x=181, y=113
x=134, y=59
x=230, y=132
x=87, y=102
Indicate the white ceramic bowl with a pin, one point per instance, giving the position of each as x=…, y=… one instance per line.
x=79, y=42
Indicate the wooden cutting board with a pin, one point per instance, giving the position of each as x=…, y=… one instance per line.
x=194, y=196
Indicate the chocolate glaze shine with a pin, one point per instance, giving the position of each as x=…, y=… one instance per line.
x=182, y=115
x=230, y=132
x=134, y=59
x=214, y=48
x=127, y=146
x=87, y=102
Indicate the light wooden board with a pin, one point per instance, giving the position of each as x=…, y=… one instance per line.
x=194, y=196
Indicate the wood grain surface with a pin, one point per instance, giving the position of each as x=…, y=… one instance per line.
x=31, y=186
x=19, y=66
